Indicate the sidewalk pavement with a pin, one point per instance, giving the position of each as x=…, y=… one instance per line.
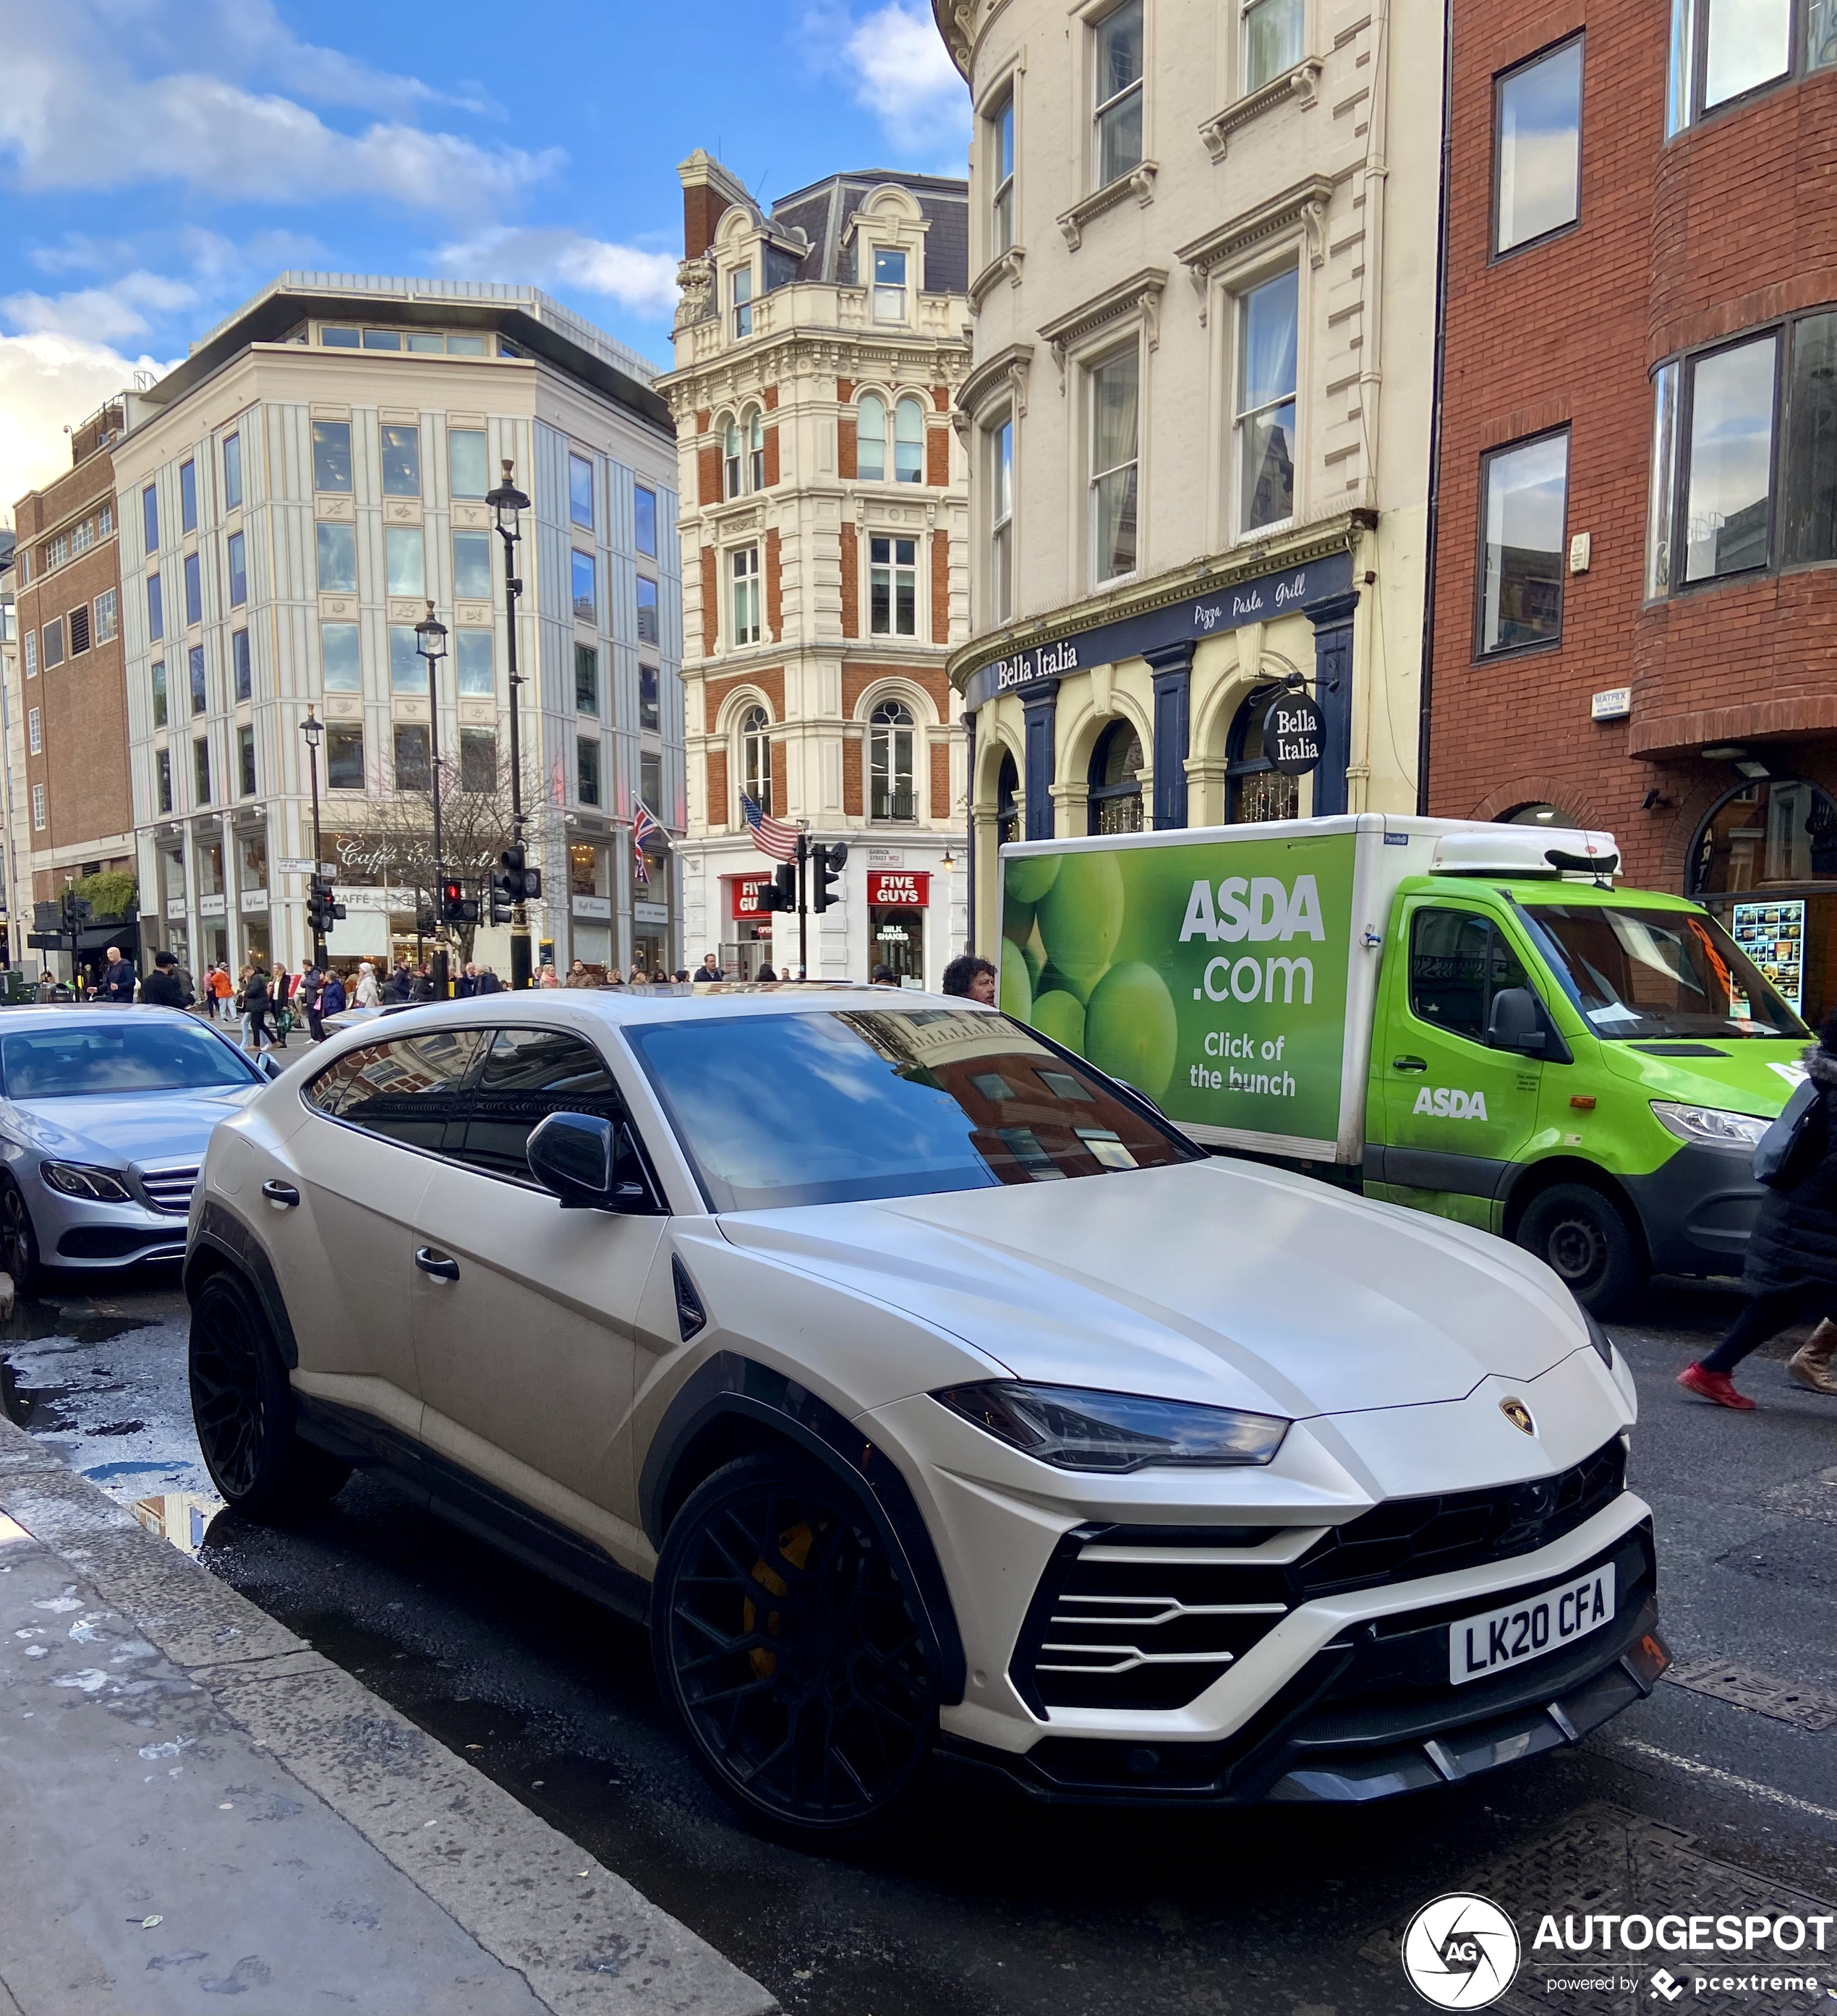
x=194, y=1804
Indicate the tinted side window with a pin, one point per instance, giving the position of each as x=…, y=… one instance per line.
x=1457, y=963
x=408, y=1090
x=528, y=1075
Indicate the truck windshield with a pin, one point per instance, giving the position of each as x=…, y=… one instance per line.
x=1657, y=973
x=830, y=1108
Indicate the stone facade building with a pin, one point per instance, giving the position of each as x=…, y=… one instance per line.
x=65, y=705
x=819, y=347
x=289, y=498
x=1203, y=256
x=1636, y=557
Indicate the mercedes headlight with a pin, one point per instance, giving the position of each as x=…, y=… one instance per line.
x=76, y=1179
x=1710, y=1126
x=1073, y=1428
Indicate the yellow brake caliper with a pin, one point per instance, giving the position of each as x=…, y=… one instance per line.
x=795, y=1544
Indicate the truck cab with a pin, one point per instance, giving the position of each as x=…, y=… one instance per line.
x=1582, y=1069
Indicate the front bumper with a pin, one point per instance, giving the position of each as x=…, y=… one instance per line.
x=1371, y=1713
x=1698, y=1209
x=81, y=1232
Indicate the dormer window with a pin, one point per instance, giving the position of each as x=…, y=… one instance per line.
x=743, y=301
x=889, y=285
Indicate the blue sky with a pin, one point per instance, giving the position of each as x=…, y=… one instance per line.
x=164, y=159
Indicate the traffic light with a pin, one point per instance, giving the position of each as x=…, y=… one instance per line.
x=516, y=884
x=826, y=863
x=321, y=913
x=781, y=892
x=455, y=906
x=502, y=902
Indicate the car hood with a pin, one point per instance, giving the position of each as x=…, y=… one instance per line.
x=1219, y=1282
x=1754, y=1075
x=128, y=1127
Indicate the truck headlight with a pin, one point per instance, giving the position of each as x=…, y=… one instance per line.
x=1073, y=1428
x=76, y=1179
x=1710, y=1126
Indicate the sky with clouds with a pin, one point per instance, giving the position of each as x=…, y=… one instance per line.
x=163, y=159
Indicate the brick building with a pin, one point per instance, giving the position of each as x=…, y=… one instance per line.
x=1635, y=605
x=824, y=508
x=66, y=697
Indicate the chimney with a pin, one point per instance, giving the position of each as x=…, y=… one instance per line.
x=709, y=191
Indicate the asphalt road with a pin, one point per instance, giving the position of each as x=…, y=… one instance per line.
x=989, y=1907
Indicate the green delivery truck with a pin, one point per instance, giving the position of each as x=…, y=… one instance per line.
x=1471, y=1020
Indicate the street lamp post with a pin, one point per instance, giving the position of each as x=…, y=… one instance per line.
x=314, y=729
x=431, y=642
x=508, y=502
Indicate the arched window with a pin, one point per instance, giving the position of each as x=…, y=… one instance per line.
x=1007, y=788
x=1116, y=781
x=889, y=762
x=755, y=757
x=909, y=442
x=755, y=450
x=730, y=456
x=1543, y=813
x=870, y=439
x=1255, y=789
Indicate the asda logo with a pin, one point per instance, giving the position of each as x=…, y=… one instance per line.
x=1446, y=1103
x=1259, y=908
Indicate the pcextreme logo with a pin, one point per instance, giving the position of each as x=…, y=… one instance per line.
x=1446, y=1103
x=1460, y=1952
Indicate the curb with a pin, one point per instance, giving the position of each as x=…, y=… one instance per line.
x=596, y=1947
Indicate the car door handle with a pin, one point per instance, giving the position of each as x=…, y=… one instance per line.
x=436, y=1264
x=279, y=1192
x=1409, y=1064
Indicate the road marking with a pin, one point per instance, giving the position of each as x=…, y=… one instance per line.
x=1698, y=1770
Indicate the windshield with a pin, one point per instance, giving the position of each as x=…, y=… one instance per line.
x=1657, y=973
x=124, y=1053
x=776, y=1110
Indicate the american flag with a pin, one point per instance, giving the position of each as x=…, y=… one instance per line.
x=644, y=825
x=776, y=837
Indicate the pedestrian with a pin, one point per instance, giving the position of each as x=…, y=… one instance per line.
x=1810, y=1364
x=578, y=975
x=765, y=972
x=163, y=987
x=401, y=987
x=1790, y=1275
x=682, y=976
x=332, y=999
x=47, y=986
x=311, y=988
x=257, y=1002
x=710, y=969
x=466, y=985
x=971, y=978
x=368, y=994
x=424, y=984
x=488, y=982
x=548, y=977
x=117, y=978
x=222, y=991
x=640, y=976
x=884, y=976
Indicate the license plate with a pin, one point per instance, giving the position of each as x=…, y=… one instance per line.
x=1527, y=1629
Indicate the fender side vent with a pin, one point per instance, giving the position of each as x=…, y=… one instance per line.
x=690, y=1316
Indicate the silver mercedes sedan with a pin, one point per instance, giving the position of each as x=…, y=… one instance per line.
x=104, y=1113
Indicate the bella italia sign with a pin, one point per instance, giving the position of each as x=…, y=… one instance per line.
x=1208, y=615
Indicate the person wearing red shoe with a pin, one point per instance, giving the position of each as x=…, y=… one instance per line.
x=1791, y=1274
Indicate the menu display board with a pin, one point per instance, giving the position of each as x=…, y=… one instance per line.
x=1773, y=935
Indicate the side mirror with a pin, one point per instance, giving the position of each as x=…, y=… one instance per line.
x=571, y=1154
x=1520, y=1022
x=269, y=1065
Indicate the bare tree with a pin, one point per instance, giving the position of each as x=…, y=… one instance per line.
x=475, y=826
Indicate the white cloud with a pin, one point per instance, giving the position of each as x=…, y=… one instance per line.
x=898, y=69
x=644, y=282
x=48, y=381
x=102, y=96
x=103, y=315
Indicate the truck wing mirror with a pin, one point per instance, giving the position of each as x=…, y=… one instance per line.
x=1519, y=1021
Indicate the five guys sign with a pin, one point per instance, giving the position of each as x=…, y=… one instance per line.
x=746, y=889
x=899, y=889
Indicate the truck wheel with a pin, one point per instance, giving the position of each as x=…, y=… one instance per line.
x=1583, y=1238
x=243, y=1410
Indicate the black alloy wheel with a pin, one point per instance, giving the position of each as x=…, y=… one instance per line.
x=1582, y=1236
x=784, y=1639
x=19, y=1242
x=243, y=1410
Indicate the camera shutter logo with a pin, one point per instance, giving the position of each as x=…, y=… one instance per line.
x=1460, y=1952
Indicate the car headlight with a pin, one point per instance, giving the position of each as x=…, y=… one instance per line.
x=76, y=1179
x=1073, y=1428
x=1710, y=1126
x=1603, y=1344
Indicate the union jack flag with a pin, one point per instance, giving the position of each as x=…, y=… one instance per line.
x=644, y=826
x=775, y=837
